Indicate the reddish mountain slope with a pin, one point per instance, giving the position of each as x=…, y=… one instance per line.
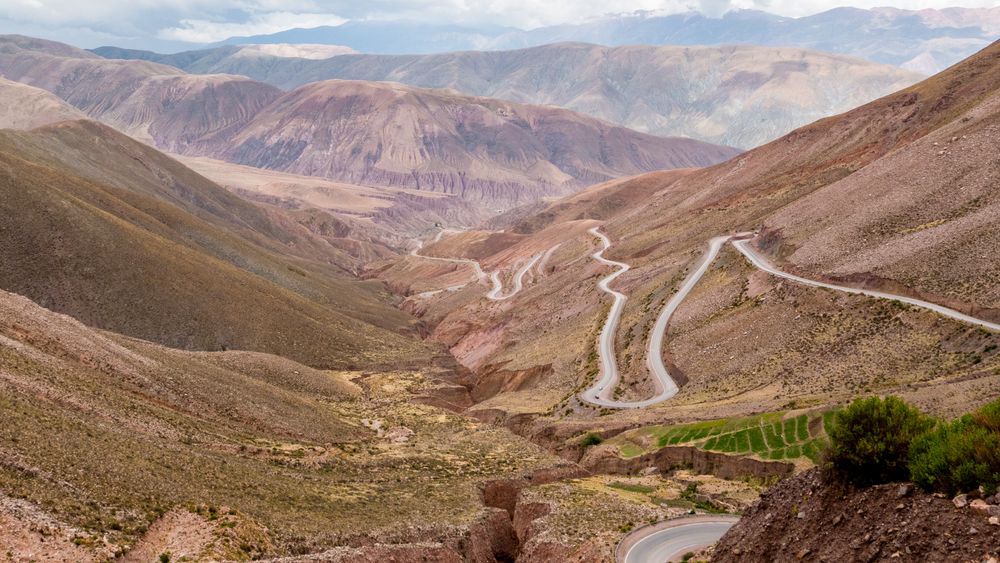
x=151, y=102
x=26, y=107
x=484, y=149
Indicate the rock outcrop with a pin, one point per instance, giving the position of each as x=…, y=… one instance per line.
x=804, y=518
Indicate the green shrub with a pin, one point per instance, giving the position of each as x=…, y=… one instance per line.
x=591, y=439
x=870, y=440
x=960, y=456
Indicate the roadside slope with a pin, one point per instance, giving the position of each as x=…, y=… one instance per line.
x=803, y=518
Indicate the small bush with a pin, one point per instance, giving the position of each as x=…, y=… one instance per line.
x=591, y=439
x=960, y=456
x=870, y=440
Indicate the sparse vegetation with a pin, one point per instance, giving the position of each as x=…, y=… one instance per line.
x=877, y=441
x=277, y=442
x=631, y=487
x=870, y=440
x=961, y=455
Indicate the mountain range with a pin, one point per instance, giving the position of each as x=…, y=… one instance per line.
x=497, y=153
x=734, y=96
x=924, y=41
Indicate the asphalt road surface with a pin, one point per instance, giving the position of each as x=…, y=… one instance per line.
x=671, y=543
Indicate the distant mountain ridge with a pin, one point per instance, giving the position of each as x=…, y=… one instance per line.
x=737, y=96
x=498, y=154
x=925, y=41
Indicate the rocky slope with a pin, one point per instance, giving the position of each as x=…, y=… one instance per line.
x=803, y=518
x=114, y=447
x=738, y=96
x=137, y=243
x=497, y=154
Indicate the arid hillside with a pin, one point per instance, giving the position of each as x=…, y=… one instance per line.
x=898, y=194
x=114, y=447
x=739, y=96
x=124, y=238
x=27, y=107
x=496, y=154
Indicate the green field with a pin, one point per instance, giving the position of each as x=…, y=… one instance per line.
x=772, y=436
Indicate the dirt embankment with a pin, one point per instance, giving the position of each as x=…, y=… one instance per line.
x=607, y=460
x=496, y=378
x=505, y=495
x=803, y=518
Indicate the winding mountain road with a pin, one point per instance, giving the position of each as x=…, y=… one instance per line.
x=496, y=293
x=476, y=268
x=601, y=393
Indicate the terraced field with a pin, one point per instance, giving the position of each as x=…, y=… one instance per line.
x=770, y=436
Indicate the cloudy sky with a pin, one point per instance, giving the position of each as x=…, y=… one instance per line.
x=168, y=23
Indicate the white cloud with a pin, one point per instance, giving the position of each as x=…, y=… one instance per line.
x=205, y=31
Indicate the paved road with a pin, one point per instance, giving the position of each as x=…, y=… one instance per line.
x=601, y=393
x=672, y=542
x=759, y=261
x=496, y=293
x=605, y=385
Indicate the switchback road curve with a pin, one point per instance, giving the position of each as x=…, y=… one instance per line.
x=601, y=393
